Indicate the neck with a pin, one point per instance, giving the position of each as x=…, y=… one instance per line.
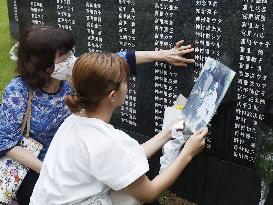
x=102, y=112
x=53, y=86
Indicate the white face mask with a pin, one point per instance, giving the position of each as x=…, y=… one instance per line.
x=63, y=70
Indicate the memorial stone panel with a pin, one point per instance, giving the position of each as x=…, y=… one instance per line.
x=238, y=33
x=13, y=18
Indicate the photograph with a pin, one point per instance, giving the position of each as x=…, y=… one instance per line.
x=207, y=94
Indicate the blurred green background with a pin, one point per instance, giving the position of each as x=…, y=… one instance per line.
x=7, y=66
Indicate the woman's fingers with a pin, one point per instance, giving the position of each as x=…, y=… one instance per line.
x=179, y=125
x=179, y=44
x=201, y=133
x=196, y=142
x=180, y=59
x=180, y=64
x=175, y=56
x=186, y=51
x=181, y=48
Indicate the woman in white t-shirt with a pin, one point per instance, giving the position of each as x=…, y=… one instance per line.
x=88, y=156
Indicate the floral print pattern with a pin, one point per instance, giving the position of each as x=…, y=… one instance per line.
x=12, y=173
x=48, y=113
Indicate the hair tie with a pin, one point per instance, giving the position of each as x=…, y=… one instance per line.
x=82, y=100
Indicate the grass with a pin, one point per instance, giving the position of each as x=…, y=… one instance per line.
x=7, y=66
x=169, y=198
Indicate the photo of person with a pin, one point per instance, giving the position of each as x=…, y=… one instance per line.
x=207, y=94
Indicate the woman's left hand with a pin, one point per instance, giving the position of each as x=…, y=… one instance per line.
x=178, y=125
x=175, y=56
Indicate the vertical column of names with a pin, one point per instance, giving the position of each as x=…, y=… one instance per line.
x=251, y=80
x=37, y=12
x=165, y=78
x=207, y=31
x=94, y=26
x=207, y=36
x=15, y=9
x=64, y=13
x=127, y=38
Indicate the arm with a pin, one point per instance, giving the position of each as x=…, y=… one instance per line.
x=154, y=144
x=173, y=56
x=147, y=191
x=25, y=157
x=11, y=116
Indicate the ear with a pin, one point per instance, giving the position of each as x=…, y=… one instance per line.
x=112, y=96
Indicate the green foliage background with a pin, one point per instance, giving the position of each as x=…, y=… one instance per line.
x=7, y=66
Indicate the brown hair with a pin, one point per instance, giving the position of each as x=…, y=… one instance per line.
x=36, y=53
x=94, y=76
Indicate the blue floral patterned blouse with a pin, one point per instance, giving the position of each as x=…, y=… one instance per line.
x=48, y=111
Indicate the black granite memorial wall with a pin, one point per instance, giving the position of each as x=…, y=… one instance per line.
x=13, y=18
x=236, y=32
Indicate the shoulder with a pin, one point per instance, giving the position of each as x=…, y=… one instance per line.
x=66, y=87
x=14, y=96
x=66, y=84
x=103, y=135
x=118, y=139
x=17, y=87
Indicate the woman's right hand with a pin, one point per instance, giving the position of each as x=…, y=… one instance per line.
x=196, y=143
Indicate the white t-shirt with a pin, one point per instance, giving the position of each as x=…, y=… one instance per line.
x=86, y=158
